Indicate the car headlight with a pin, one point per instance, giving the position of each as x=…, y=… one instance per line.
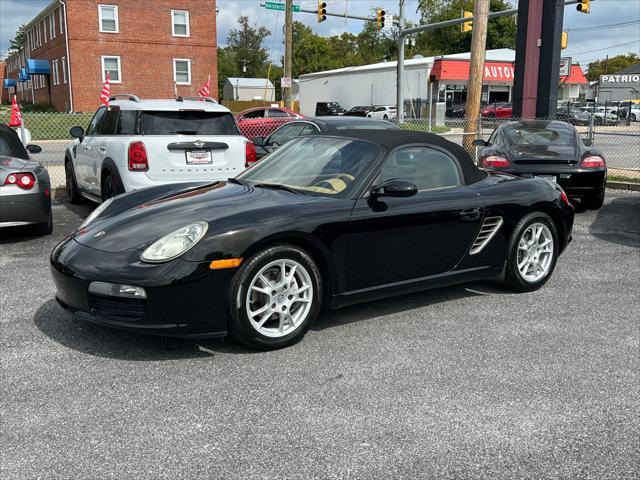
x=174, y=244
x=99, y=209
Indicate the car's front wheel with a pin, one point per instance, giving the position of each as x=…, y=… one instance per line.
x=632, y=117
x=274, y=297
x=532, y=255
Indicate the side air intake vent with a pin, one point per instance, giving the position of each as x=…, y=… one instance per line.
x=489, y=228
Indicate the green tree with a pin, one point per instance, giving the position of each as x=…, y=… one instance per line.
x=501, y=32
x=611, y=65
x=17, y=42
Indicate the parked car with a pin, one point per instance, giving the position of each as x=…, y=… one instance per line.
x=573, y=115
x=601, y=115
x=136, y=143
x=25, y=188
x=261, y=121
x=358, y=111
x=329, y=108
x=455, y=111
x=311, y=125
x=331, y=220
x=497, y=110
x=384, y=112
x=549, y=149
x=630, y=110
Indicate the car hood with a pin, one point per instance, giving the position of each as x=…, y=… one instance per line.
x=141, y=224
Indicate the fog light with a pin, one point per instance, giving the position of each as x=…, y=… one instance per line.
x=117, y=290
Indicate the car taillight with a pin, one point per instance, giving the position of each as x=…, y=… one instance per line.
x=249, y=154
x=592, y=161
x=563, y=197
x=495, y=161
x=138, y=161
x=26, y=181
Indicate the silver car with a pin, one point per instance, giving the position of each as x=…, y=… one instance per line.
x=25, y=188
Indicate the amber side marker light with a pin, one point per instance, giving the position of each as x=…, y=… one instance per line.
x=228, y=263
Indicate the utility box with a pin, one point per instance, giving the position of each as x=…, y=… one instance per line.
x=438, y=112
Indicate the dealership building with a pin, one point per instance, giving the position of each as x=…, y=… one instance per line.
x=428, y=79
x=152, y=48
x=624, y=85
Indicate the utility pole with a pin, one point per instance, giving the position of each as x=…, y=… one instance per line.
x=400, y=65
x=288, y=47
x=476, y=72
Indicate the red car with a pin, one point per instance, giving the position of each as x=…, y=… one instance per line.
x=262, y=121
x=497, y=110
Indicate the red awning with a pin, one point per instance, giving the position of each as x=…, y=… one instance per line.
x=459, y=70
x=576, y=77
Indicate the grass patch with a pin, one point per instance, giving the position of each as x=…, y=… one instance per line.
x=623, y=178
x=50, y=126
x=422, y=127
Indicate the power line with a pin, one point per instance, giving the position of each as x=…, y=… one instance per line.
x=600, y=27
x=605, y=48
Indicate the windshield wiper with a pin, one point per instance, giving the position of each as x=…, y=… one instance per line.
x=277, y=186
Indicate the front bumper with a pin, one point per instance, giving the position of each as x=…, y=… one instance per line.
x=184, y=299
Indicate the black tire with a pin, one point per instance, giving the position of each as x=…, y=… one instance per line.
x=513, y=278
x=386, y=117
x=632, y=117
x=110, y=187
x=240, y=325
x=73, y=195
x=594, y=201
x=44, y=228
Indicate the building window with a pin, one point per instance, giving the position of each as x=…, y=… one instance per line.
x=44, y=30
x=61, y=18
x=111, y=65
x=54, y=71
x=180, y=23
x=52, y=27
x=182, y=71
x=64, y=69
x=108, y=18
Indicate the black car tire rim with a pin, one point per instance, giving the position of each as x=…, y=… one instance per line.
x=535, y=252
x=279, y=298
x=107, y=188
x=70, y=181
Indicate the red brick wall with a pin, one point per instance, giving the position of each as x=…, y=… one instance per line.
x=4, y=96
x=145, y=46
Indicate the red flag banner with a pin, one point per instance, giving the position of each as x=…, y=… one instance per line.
x=106, y=90
x=16, y=115
x=206, y=88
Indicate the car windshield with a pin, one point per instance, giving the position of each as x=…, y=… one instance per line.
x=188, y=123
x=11, y=146
x=318, y=165
x=556, y=135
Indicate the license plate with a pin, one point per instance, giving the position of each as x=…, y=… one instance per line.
x=199, y=157
x=550, y=178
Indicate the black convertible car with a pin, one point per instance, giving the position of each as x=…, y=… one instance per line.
x=326, y=220
x=548, y=149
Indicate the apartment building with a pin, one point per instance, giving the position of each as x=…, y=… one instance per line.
x=152, y=48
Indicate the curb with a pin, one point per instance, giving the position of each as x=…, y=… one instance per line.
x=624, y=186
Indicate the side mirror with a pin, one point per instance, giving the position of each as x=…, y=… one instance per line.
x=31, y=148
x=478, y=142
x=395, y=188
x=77, y=132
x=258, y=141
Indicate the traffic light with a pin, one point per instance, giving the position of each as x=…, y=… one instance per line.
x=380, y=18
x=322, y=11
x=467, y=26
x=583, y=6
x=564, y=40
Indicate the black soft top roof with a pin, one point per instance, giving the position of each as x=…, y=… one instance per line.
x=391, y=139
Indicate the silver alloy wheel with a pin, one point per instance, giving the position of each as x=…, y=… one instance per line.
x=279, y=298
x=535, y=252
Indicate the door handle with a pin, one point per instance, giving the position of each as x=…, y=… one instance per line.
x=86, y=147
x=103, y=149
x=470, y=214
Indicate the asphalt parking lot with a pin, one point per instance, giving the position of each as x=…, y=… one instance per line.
x=463, y=382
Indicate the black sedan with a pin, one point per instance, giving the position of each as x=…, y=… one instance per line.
x=327, y=220
x=358, y=111
x=25, y=188
x=548, y=149
x=314, y=125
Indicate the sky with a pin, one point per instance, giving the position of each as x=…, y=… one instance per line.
x=596, y=35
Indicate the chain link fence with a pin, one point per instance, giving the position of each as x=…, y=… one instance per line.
x=617, y=137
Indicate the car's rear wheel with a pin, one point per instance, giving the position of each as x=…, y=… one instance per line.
x=109, y=187
x=632, y=117
x=44, y=228
x=274, y=297
x=594, y=201
x=533, y=251
x=73, y=196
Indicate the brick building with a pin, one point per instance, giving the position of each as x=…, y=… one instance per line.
x=149, y=47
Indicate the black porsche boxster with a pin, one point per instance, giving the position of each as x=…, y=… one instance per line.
x=549, y=149
x=326, y=220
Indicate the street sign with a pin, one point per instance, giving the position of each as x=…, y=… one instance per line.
x=565, y=66
x=388, y=21
x=285, y=82
x=279, y=6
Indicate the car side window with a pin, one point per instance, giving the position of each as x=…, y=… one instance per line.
x=286, y=133
x=127, y=121
x=254, y=114
x=426, y=167
x=95, y=121
x=272, y=112
x=108, y=124
x=309, y=129
x=380, y=109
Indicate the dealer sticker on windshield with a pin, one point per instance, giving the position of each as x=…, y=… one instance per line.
x=550, y=178
x=199, y=157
